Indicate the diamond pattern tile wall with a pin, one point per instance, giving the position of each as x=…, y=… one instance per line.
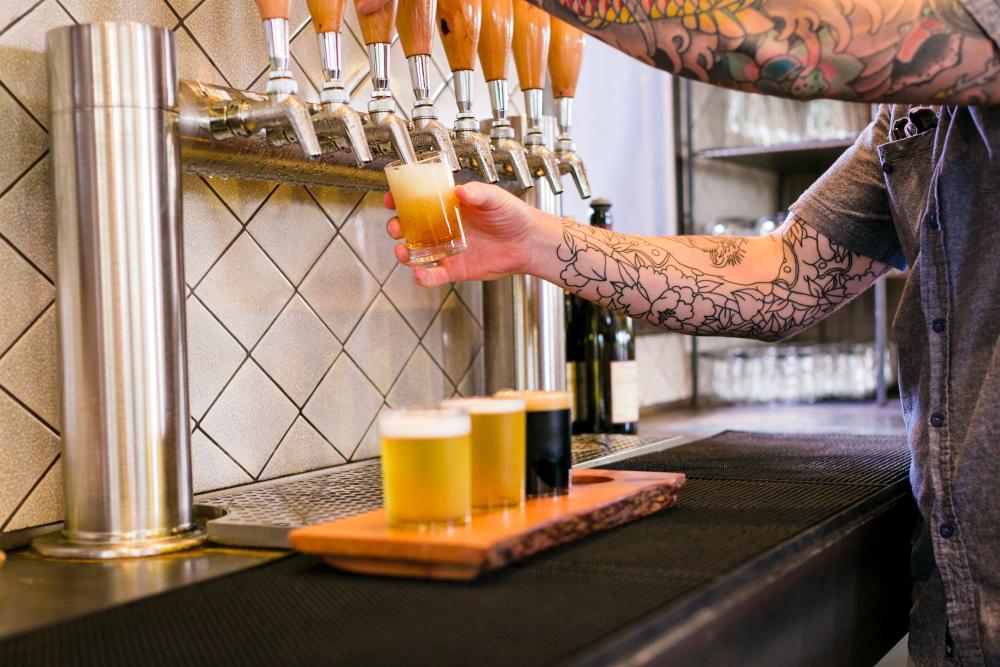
x=301, y=328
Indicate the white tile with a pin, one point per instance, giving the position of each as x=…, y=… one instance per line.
x=381, y=343
x=139, y=11
x=474, y=382
x=24, y=293
x=420, y=383
x=246, y=290
x=243, y=195
x=232, y=35
x=213, y=357
x=365, y=231
x=21, y=143
x=22, y=67
x=297, y=350
x=302, y=449
x=26, y=217
x=370, y=446
x=192, y=63
x=44, y=505
x=339, y=288
x=30, y=370
x=344, y=405
x=337, y=202
x=471, y=294
x=27, y=448
x=211, y=468
x=292, y=230
x=13, y=10
x=208, y=228
x=453, y=338
x=418, y=304
x=182, y=7
x=250, y=418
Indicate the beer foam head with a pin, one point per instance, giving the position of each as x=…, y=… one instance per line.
x=421, y=423
x=487, y=405
x=419, y=180
x=539, y=401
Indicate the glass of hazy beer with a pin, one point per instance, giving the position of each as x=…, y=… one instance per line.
x=428, y=210
x=549, y=440
x=426, y=467
x=498, y=451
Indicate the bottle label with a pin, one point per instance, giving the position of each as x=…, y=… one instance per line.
x=624, y=392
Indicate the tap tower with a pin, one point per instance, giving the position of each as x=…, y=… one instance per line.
x=494, y=56
x=460, y=22
x=338, y=126
x=565, y=59
x=386, y=132
x=415, y=23
x=531, y=51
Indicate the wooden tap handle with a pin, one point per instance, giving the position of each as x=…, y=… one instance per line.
x=327, y=15
x=415, y=23
x=494, y=41
x=565, y=57
x=531, y=44
x=272, y=9
x=377, y=28
x=460, y=21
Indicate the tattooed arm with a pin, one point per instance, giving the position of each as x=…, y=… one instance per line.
x=764, y=287
x=918, y=51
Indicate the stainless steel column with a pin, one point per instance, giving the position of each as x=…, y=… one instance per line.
x=116, y=166
x=524, y=320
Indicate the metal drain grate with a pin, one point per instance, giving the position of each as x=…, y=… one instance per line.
x=261, y=515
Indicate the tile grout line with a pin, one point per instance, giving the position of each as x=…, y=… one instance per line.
x=34, y=487
x=194, y=40
x=274, y=451
x=14, y=21
x=27, y=408
x=31, y=324
x=27, y=170
x=223, y=450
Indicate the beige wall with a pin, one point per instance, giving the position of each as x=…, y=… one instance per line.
x=301, y=326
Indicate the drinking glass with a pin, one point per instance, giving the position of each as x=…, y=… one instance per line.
x=426, y=467
x=428, y=210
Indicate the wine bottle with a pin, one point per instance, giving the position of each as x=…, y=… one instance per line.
x=617, y=370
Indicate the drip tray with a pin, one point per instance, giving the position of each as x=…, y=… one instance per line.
x=261, y=515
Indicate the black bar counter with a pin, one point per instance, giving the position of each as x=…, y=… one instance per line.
x=784, y=549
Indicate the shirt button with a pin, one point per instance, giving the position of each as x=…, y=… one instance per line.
x=938, y=325
x=946, y=529
x=887, y=167
x=937, y=420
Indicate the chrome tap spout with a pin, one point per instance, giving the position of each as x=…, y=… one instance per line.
x=338, y=126
x=509, y=156
x=542, y=161
x=387, y=133
x=428, y=134
x=474, y=152
x=569, y=162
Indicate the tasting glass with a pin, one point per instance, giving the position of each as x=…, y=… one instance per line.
x=428, y=209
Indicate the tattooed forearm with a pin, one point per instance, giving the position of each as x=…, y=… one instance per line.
x=646, y=279
x=722, y=251
x=921, y=51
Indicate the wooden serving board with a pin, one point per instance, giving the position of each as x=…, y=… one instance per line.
x=599, y=500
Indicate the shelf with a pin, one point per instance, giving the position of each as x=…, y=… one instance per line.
x=806, y=156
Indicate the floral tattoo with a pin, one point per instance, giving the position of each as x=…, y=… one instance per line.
x=646, y=281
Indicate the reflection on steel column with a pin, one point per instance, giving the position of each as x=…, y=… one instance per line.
x=116, y=164
x=524, y=317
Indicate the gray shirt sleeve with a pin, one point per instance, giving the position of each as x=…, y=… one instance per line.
x=849, y=204
x=987, y=15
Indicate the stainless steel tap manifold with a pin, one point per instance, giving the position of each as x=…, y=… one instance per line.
x=116, y=168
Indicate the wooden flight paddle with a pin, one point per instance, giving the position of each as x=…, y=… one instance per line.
x=599, y=500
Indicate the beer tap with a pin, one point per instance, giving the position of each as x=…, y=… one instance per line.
x=415, y=23
x=531, y=50
x=494, y=56
x=565, y=58
x=387, y=132
x=282, y=115
x=338, y=126
x=460, y=21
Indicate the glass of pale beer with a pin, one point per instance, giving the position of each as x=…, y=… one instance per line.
x=428, y=210
x=426, y=467
x=498, y=451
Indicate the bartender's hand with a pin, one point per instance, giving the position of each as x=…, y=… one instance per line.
x=497, y=228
